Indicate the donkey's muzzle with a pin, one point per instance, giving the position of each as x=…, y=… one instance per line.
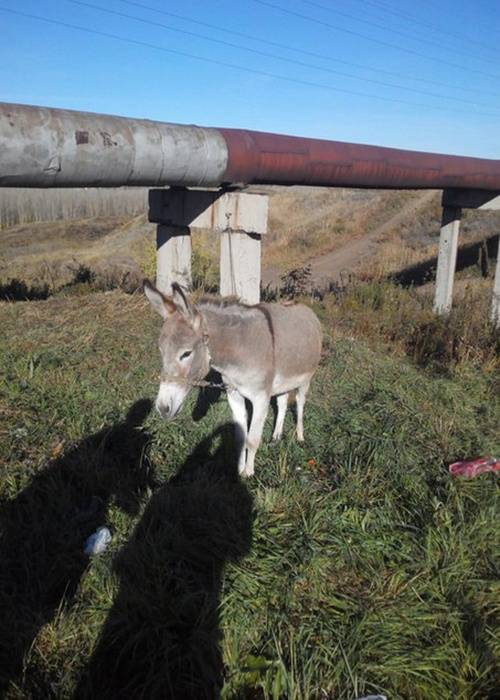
x=170, y=399
x=163, y=410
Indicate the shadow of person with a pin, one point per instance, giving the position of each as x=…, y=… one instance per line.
x=162, y=638
x=43, y=530
x=207, y=396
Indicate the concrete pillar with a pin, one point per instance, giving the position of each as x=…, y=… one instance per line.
x=173, y=257
x=240, y=266
x=240, y=218
x=481, y=200
x=495, y=301
x=447, y=258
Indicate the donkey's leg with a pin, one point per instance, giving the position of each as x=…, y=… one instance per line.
x=260, y=405
x=239, y=411
x=301, y=399
x=282, y=403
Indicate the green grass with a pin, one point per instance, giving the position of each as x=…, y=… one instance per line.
x=350, y=565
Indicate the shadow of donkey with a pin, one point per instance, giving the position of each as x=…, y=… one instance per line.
x=43, y=530
x=162, y=638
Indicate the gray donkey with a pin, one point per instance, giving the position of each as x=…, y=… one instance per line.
x=261, y=351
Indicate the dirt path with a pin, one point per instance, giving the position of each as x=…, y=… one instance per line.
x=329, y=266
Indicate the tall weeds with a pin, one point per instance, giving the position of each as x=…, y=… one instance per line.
x=402, y=320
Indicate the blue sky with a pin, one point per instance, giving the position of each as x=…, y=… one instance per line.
x=450, y=48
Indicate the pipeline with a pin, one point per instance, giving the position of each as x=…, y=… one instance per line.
x=45, y=147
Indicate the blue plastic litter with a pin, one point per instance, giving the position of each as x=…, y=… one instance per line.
x=98, y=541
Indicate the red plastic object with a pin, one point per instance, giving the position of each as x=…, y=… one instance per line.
x=472, y=467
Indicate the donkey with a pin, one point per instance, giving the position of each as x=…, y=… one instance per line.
x=261, y=351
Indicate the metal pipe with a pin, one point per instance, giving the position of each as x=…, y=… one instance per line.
x=45, y=147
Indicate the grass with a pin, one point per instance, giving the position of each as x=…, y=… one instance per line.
x=350, y=565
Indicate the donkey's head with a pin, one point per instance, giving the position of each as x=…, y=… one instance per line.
x=183, y=348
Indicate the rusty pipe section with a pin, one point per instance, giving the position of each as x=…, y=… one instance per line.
x=45, y=147
x=262, y=158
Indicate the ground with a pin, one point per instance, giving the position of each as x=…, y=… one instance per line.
x=350, y=565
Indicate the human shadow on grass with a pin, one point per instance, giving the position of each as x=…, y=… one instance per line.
x=207, y=396
x=162, y=638
x=43, y=531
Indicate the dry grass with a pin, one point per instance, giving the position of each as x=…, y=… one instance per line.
x=416, y=240
x=306, y=222
x=394, y=254
x=47, y=257
x=29, y=251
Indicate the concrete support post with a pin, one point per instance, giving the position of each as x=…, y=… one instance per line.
x=243, y=219
x=173, y=257
x=239, y=218
x=240, y=266
x=447, y=258
x=495, y=301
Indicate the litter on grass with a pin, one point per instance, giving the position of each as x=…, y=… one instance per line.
x=98, y=541
x=472, y=467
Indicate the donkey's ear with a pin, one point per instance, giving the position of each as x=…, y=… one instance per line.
x=160, y=303
x=181, y=300
x=197, y=321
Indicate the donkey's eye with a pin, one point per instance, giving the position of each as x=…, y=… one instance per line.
x=185, y=355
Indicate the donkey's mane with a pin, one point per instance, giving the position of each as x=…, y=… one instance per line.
x=230, y=305
x=220, y=302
